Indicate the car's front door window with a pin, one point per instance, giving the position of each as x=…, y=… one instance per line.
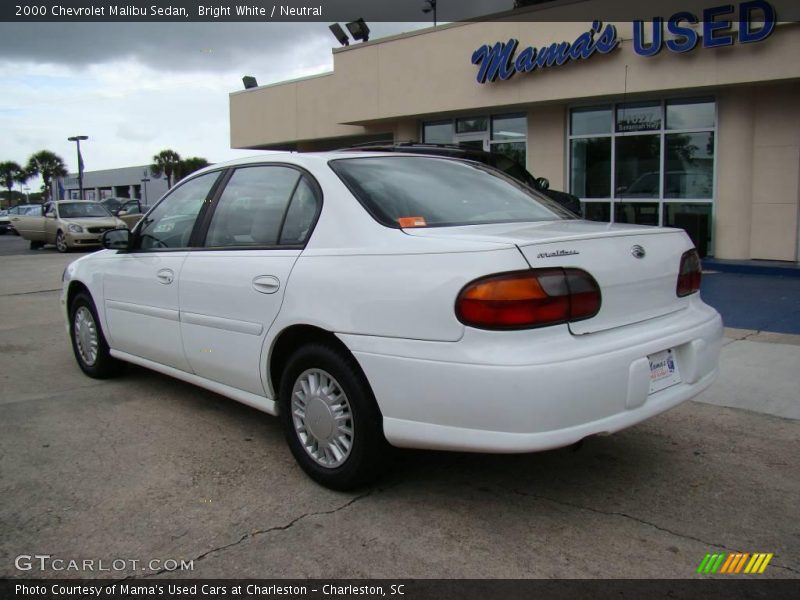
x=170, y=224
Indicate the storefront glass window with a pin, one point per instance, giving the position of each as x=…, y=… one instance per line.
x=589, y=121
x=509, y=127
x=656, y=167
x=639, y=116
x=438, y=133
x=689, y=166
x=472, y=125
x=642, y=213
x=597, y=211
x=591, y=167
x=690, y=114
x=514, y=150
x=638, y=158
x=693, y=217
x=507, y=135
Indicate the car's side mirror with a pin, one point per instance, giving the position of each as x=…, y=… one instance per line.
x=543, y=183
x=121, y=212
x=117, y=239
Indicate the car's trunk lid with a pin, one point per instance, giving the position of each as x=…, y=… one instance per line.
x=634, y=288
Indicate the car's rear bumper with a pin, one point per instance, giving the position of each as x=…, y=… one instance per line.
x=534, y=390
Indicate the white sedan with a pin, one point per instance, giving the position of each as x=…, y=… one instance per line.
x=387, y=299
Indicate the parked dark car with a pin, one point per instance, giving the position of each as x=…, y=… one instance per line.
x=494, y=159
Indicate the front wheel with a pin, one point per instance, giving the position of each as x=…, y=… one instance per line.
x=88, y=342
x=61, y=242
x=330, y=418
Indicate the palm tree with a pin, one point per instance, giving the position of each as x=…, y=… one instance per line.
x=190, y=165
x=167, y=163
x=48, y=165
x=11, y=173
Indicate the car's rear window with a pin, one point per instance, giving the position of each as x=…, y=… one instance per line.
x=414, y=191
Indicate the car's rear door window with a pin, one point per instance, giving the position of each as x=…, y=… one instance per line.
x=263, y=206
x=401, y=191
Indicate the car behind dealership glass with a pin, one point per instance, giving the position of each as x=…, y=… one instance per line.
x=374, y=299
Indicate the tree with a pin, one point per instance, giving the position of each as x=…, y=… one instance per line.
x=190, y=165
x=47, y=165
x=167, y=163
x=11, y=173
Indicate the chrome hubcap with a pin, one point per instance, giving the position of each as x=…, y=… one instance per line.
x=61, y=244
x=322, y=417
x=86, y=335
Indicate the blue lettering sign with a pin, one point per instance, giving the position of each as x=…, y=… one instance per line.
x=710, y=25
x=746, y=33
x=638, y=38
x=499, y=60
x=686, y=37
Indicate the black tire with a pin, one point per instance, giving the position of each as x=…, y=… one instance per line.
x=368, y=451
x=104, y=365
x=36, y=245
x=61, y=243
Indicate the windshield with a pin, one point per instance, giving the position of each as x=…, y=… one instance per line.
x=112, y=203
x=80, y=210
x=404, y=191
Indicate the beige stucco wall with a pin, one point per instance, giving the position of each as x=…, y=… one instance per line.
x=758, y=172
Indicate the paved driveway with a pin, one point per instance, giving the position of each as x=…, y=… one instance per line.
x=145, y=467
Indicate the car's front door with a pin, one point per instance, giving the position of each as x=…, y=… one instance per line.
x=141, y=286
x=232, y=288
x=51, y=223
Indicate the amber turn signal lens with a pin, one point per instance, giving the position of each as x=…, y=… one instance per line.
x=527, y=299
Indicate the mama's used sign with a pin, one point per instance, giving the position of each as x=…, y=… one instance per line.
x=503, y=60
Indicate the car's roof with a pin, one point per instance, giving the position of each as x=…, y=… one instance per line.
x=305, y=157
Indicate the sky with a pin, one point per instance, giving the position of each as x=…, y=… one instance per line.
x=138, y=88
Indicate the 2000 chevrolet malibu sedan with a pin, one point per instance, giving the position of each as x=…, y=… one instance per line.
x=387, y=299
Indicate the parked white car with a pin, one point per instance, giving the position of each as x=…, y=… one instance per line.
x=421, y=301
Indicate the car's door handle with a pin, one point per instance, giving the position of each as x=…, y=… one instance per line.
x=266, y=284
x=165, y=276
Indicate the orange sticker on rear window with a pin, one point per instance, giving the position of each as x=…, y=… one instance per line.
x=412, y=222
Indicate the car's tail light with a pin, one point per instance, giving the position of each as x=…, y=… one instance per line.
x=530, y=298
x=689, y=273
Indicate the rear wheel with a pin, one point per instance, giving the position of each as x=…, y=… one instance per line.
x=330, y=418
x=88, y=342
x=61, y=242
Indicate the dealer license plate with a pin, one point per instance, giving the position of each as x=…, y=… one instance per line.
x=663, y=371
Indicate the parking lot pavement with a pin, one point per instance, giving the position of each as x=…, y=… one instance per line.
x=145, y=467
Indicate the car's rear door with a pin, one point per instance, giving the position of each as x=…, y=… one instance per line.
x=141, y=286
x=231, y=289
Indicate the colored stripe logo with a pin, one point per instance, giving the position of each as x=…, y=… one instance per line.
x=735, y=562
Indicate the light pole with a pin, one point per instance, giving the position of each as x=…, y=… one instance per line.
x=77, y=139
x=144, y=187
x=430, y=8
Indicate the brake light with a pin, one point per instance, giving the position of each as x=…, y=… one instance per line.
x=527, y=299
x=689, y=274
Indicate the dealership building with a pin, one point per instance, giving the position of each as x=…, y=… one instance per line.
x=126, y=182
x=675, y=123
